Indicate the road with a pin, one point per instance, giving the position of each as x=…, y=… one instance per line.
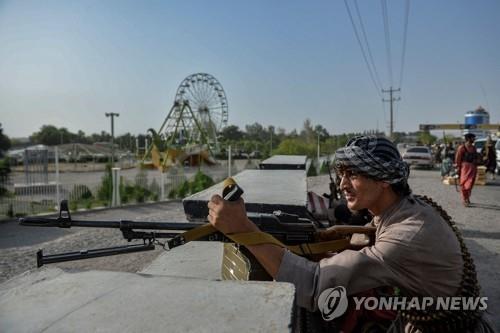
x=480, y=226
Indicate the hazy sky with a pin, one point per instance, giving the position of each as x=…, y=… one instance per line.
x=66, y=62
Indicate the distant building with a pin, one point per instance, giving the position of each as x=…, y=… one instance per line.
x=477, y=117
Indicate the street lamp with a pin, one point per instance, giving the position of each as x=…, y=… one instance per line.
x=112, y=115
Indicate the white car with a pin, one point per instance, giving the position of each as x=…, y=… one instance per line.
x=420, y=156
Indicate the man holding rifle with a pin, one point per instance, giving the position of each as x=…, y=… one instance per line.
x=417, y=249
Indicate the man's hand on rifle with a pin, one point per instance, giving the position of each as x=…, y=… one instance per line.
x=229, y=217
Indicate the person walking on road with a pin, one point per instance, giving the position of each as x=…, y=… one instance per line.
x=448, y=160
x=466, y=160
x=489, y=157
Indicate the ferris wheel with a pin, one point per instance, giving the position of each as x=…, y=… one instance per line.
x=192, y=125
x=199, y=113
x=206, y=98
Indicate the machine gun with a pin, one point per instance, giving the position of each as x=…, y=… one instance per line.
x=298, y=234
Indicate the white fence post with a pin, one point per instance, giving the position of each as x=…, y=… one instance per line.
x=229, y=162
x=162, y=186
x=56, y=160
x=115, y=201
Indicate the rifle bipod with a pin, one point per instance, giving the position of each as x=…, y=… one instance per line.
x=42, y=259
x=64, y=221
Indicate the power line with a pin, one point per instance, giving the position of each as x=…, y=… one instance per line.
x=367, y=44
x=484, y=95
x=385, y=19
x=405, y=33
x=362, y=49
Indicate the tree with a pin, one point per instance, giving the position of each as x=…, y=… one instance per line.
x=398, y=137
x=48, y=135
x=232, y=133
x=322, y=132
x=293, y=134
x=280, y=132
x=126, y=141
x=4, y=162
x=80, y=137
x=66, y=136
x=256, y=132
x=5, y=143
x=426, y=138
x=103, y=137
x=296, y=146
x=307, y=132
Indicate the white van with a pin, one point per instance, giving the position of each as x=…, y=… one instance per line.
x=479, y=144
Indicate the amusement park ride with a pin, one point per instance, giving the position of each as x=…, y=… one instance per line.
x=188, y=135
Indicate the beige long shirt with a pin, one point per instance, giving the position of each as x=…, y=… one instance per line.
x=414, y=249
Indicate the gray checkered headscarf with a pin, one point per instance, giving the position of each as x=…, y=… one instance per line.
x=375, y=157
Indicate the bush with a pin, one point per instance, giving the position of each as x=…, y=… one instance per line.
x=10, y=211
x=79, y=192
x=88, y=204
x=134, y=192
x=324, y=168
x=4, y=176
x=311, y=172
x=154, y=187
x=140, y=194
x=172, y=194
x=183, y=190
x=200, y=182
x=127, y=193
x=105, y=191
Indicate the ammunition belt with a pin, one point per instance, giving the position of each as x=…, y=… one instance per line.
x=445, y=320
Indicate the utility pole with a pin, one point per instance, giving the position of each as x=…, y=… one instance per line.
x=112, y=115
x=391, y=100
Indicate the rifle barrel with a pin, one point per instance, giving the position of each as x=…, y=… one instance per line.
x=124, y=224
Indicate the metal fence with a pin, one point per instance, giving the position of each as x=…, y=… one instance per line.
x=87, y=190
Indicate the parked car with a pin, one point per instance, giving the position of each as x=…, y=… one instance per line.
x=479, y=144
x=420, y=156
